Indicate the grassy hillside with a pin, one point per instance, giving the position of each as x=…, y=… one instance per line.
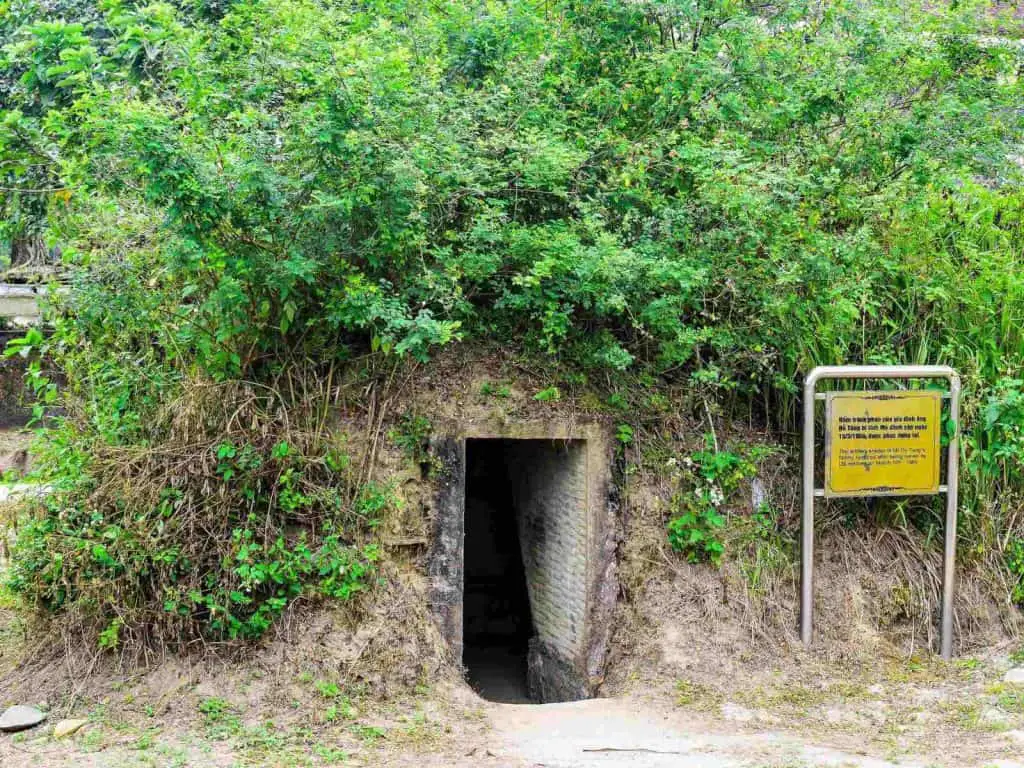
x=272, y=207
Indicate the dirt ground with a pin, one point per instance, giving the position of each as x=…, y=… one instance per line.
x=801, y=713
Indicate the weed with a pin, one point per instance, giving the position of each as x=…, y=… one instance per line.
x=761, y=545
x=411, y=436
x=697, y=695
x=219, y=717
x=146, y=739
x=549, y=395
x=707, y=479
x=845, y=690
x=369, y=733
x=330, y=755
x=175, y=756
x=328, y=690
x=94, y=740
x=789, y=697
x=495, y=390
x=624, y=434
x=919, y=668
x=1010, y=698
x=340, y=709
x=109, y=638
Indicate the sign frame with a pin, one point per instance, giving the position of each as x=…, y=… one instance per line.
x=811, y=396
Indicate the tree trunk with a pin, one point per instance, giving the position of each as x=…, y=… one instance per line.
x=29, y=251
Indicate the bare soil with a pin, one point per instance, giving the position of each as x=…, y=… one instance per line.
x=925, y=714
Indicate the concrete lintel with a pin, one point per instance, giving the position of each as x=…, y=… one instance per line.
x=534, y=430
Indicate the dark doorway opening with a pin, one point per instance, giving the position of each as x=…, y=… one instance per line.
x=497, y=625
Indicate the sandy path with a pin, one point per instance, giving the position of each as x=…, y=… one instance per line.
x=623, y=732
x=599, y=733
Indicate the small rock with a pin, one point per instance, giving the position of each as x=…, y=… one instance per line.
x=20, y=717
x=1017, y=736
x=67, y=727
x=877, y=689
x=1015, y=675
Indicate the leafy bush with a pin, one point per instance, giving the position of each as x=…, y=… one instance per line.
x=210, y=531
x=397, y=177
x=696, y=531
x=708, y=479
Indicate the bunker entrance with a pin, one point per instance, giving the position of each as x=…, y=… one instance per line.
x=525, y=571
x=497, y=625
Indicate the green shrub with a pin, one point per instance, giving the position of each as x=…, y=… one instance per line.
x=212, y=535
x=696, y=531
x=707, y=481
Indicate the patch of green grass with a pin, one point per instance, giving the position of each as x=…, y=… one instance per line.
x=330, y=755
x=264, y=738
x=969, y=716
x=343, y=709
x=368, y=733
x=788, y=697
x=93, y=740
x=919, y=668
x=220, y=719
x=846, y=690
x=493, y=389
x=698, y=696
x=416, y=729
x=796, y=696
x=175, y=757
x=146, y=739
x=327, y=689
x=1010, y=698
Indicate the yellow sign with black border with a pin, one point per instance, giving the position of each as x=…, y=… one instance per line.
x=882, y=443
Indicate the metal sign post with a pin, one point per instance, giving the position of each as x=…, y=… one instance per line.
x=880, y=444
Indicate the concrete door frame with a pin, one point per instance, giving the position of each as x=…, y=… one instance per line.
x=559, y=678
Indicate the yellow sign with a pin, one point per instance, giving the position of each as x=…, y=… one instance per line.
x=882, y=443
